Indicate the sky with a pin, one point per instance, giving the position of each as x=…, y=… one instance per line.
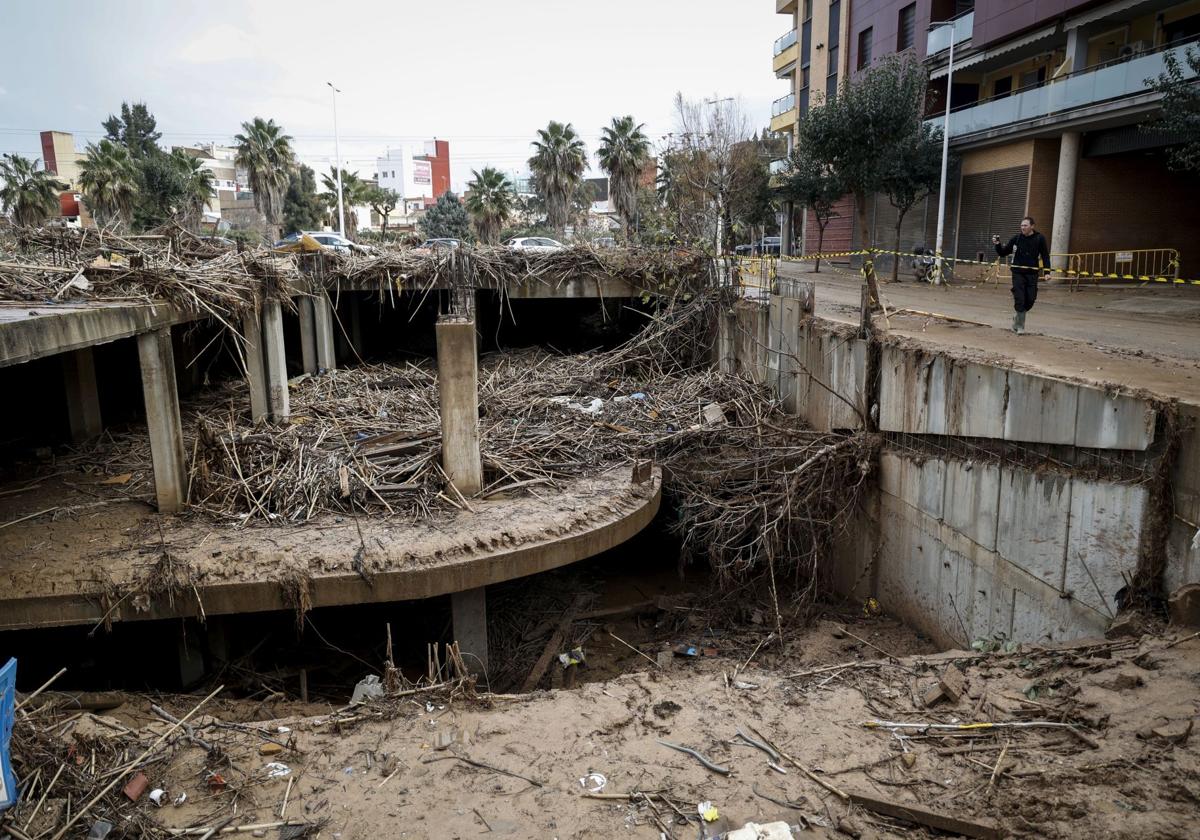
x=483, y=74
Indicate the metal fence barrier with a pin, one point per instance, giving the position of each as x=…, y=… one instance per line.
x=1150, y=264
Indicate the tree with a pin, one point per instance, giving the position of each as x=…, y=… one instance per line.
x=354, y=194
x=197, y=182
x=1180, y=114
x=706, y=136
x=134, y=129
x=815, y=186
x=490, y=201
x=110, y=181
x=751, y=200
x=174, y=186
x=558, y=163
x=29, y=193
x=303, y=209
x=913, y=172
x=265, y=152
x=857, y=133
x=382, y=201
x=624, y=151
x=446, y=219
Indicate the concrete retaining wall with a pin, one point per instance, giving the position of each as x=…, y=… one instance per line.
x=974, y=549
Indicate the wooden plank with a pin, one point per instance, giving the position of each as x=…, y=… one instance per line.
x=923, y=816
x=553, y=644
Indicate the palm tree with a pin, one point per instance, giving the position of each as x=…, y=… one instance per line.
x=355, y=192
x=624, y=151
x=29, y=193
x=558, y=162
x=265, y=152
x=197, y=188
x=108, y=176
x=490, y=200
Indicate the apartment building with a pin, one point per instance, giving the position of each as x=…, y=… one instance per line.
x=1047, y=102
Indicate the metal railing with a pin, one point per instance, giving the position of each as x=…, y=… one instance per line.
x=939, y=38
x=1147, y=264
x=783, y=104
x=777, y=166
x=784, y=41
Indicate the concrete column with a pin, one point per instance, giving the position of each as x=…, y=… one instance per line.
x=308, y=335
x=256, y=371
x=803, y=249
x=323, y=318
x=1064, y=199
x=458, y=398
x=276, y=358
x=356, y=340
x=162, y=418
x=469, y=625
x=83, y=400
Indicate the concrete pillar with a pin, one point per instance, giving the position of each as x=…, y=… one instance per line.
x=256, y=370
x=356, y=340
x=323, y=319
x=276, y=360
x=469, y=625
x=458, y=399
x=726, y=347
x=83, y=400
x=162, y=418
x=1064, y=199
x=308, y=335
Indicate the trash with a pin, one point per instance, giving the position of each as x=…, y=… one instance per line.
x=713, y=414
x=276, y=770
x=444, y=739
x=270, y=748
x=368, y=688
x=216, y=782
x=593, y=782
x=766, y=831
x=135, y=787
x=571, y=657
x=693, y=650
x=708, y=811
x=157, y=795
x=594, y=406
x=99, y=830
x=716, y=768
x=8, y=696
x=123, y=478
x=282, y=730
x=744, y=686
x=179, y=800
x=871, y=608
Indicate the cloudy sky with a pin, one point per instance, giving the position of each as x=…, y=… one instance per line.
x=484, y=74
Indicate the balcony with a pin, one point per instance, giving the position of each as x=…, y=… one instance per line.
x=785, y=7
x=1096, y=92
x=777, y=166
x=784, y=113
x=786, y=52
x=939, y=38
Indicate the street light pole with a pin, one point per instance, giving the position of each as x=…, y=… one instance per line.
x=939, y=275
x=337, y=166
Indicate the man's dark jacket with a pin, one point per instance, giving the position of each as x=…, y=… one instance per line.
x=1027, y=250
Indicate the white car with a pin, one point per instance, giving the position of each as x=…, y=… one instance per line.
x=327, y=239
x=537, y=244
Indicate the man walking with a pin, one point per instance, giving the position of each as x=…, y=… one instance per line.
x=1031, y=256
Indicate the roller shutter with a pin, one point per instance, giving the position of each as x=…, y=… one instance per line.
x=992, y=202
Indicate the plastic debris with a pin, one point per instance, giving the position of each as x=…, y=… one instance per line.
x=593, y=782
x=594, y=406
x=368, y=688
x=571, y=657
x=693, y=650
x=708, y=811
x=99, y=830
x=277, y=770
x=8, y=697
x=157, y=795
x=179, y=800
x=713, y=414
x=765, y=831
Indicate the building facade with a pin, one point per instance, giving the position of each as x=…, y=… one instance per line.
x=1047, y=103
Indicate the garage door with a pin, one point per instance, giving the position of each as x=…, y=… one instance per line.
x=992, y=202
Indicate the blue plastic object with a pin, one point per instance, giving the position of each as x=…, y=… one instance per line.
x=8, y=696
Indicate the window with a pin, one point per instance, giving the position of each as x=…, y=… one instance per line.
x=1002, y=87
x=906, y=32
x=864, y=47
x=807, y=13
x=833, y=50
x=804, y=91
x=831, y=87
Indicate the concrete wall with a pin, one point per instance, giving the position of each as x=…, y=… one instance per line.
x=964, y=549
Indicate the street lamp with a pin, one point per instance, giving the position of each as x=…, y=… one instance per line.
x=939, y=275
x=337, y=150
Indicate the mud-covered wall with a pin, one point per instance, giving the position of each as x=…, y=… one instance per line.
x=1008, y=505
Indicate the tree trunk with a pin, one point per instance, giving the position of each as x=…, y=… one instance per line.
x=868, y=269
x=896, y=249
x=820, y=242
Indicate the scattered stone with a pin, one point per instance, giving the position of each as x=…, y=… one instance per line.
x=953, y=684
x=933, y=694
x=1184, y=605
x=1176, y=732
x=909, y=759
x=665, y=659
x=1127, y=624
x=666, y=709
x=1119, y=679
x=136, y=787
x=270, y=748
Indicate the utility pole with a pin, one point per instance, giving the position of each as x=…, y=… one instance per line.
x=939, y=271
x=337, y=164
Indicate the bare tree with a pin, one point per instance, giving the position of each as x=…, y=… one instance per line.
x=707, y=133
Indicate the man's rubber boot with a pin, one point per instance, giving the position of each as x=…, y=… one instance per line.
x=1020, y=323
x=1017, y=322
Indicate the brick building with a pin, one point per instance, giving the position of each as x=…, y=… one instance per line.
x=1047, y=100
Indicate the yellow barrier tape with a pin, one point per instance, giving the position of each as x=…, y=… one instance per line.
x=1099, y=275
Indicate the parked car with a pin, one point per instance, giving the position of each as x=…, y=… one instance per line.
x=767, y=246
x=537, y=244
x=441, y=244
x=606, y=242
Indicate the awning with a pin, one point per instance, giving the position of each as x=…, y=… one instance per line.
x=1107, y=10
x=1046, y=33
